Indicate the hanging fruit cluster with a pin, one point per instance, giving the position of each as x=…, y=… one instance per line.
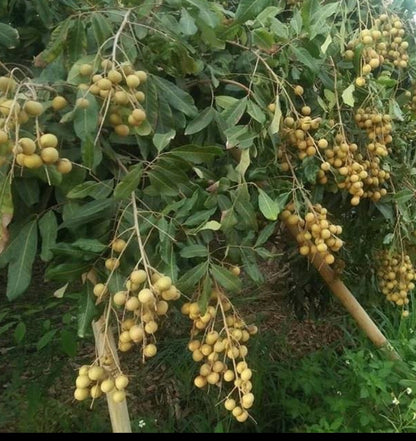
x=298, y=133
x=218, y=341
x=317, y=235
x=143, y=301
x=21, y=108
x=94, y=381
x=117, y=84
x=395, y=276
x=384, y=42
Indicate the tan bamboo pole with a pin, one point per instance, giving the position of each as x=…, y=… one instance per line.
x=350, y=303
x=106, y=347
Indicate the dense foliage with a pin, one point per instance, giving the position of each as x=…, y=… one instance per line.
x=148, y=149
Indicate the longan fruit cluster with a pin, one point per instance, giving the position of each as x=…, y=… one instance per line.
x=19, y=109
x=218, y=342
x=378, y=127
x=298, y=134
x=384, y=42
x=317, y=235
x=144, y=300
x=362, y=178
x=117, y=83
x=395, y=276
x=34, y=154
x=94, y=381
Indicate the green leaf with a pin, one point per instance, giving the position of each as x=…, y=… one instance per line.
x=296, y=21
x=205, y=296
x=55, y=45
x=262, y=38
x=226, y=279
x=310, y=169
x=46, y=339
x=249, y=260
x=265, y=234
x=93, y=189
x=207, y=16
x=234, y=113
x=91, y=154
x=65, y=272
x=304, y=57
x=22, y=257
x=269, y=208
x=101, y=28
x=19, y=332
x=348, y=95
x=403, y=196
x=129, y=183
x=187, y=23
x=176, y=97
x=48, y=228
x=197, y=154
x=256, y=112
x=77, y=40
x=194, y=251
x=188, y=281
x=250, y=9
x=89, y=245
x=28, y=190
x=88, y=212
x=86, y=120
x=200, y=122
x=9, y=37
x=69, y=342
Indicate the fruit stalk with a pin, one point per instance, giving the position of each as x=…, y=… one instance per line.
x=350, y=303
x=106, y=347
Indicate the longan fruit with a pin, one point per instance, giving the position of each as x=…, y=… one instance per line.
x=298, y=90
x=132, y=81
x=200, y=381
x=306, y=110
x=82, y=381
x=114, y=76
x=132, y=304
x=107, y=385
x=48, y=140
x=33, y=108
x=81, y=394
x=146, y=296
x=96, y=373
x=59, y=103
x=122, y=130
x=118, y=396
x=120, y=298
x=28, y=146
x=64, y=166
x=150, y=350
x=49, y=155
x=121, y=382
x=139, y=114
x=32, y=161
x=85, y=69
